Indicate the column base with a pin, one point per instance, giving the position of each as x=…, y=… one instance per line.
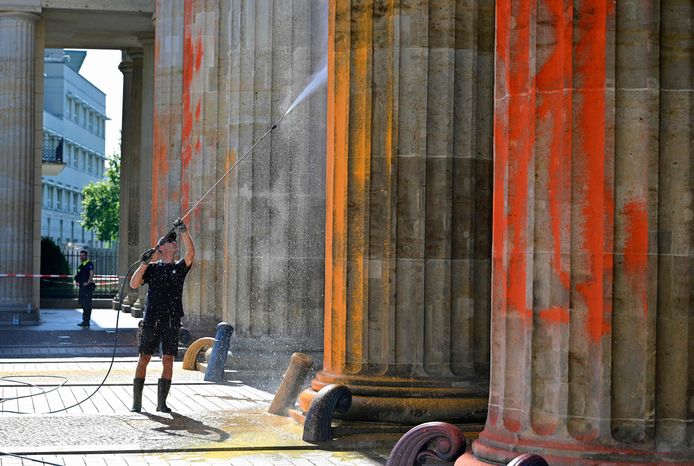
x=567, y=450
x=406, y=401
x=18, y=315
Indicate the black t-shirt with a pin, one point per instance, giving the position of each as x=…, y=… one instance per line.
x=164, y=296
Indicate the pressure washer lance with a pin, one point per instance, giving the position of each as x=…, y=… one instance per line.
x=234, y=166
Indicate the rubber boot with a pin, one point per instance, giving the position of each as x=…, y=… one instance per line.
x=162, y=393
x=138, y=386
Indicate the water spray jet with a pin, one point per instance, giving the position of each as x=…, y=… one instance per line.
x=318, y=81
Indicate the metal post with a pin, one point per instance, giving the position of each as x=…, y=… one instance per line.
x=215, y=367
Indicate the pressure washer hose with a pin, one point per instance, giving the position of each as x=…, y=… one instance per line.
x=129, y=273
x=120, y=298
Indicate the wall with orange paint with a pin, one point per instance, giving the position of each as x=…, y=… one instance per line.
x=591, y=300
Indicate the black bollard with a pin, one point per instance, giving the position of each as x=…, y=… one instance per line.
x=218, y=358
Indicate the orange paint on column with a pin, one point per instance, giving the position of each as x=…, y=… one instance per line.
x=636, y=250
x=359, y=166
x=521, y=138
x=192, y=61
x=336, y=183
x=554, y=91
x=596, y=203
x=555, y=315
x=161, y=127
x=499, y=218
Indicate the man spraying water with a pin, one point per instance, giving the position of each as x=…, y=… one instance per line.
x=163, y=309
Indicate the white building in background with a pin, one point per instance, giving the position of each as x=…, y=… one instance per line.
x=74, y=117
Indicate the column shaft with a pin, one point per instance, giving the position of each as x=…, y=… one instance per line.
x=408, y=211
x=17, y=159
x=590, y=286
x=145, y=161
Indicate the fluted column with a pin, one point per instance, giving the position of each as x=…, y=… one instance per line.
x=144, y=164
x=408, y=209
x=18, y=169
x=130, y=199
x=592, y=265
x=274, y=200
x=126, y=68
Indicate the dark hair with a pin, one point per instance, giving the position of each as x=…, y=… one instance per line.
x=84, y=251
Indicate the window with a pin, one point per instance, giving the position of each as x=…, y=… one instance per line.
x=60, y=238
x=58, y=204
x=84, y=117
x=48, y=227
x=74, y=202
x=89, y=163
x=72, y=231
x=76, y=113
x=82, y=162
x=50, y=197
x=68, y=107
x=91, y=121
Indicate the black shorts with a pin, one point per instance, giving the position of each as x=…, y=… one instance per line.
x=164, y=331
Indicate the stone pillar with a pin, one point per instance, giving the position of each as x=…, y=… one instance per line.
x=225, y=72
x=408, y=227
x=274, y=201
x=130, y=195
x=126, y=68
x=592, y=267
x=18, y=167
x=144, y=165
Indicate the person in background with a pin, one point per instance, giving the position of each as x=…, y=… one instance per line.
x=163, y=309
x=84, y=279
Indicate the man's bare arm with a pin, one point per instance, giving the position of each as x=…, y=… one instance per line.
x=190, y=248
x=136, y=280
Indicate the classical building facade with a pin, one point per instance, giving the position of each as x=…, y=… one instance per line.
x=487, y=209
x=74, y=119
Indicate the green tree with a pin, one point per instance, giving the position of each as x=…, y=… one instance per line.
x=101, y=203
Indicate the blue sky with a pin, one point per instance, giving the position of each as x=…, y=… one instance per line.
x=101, y=68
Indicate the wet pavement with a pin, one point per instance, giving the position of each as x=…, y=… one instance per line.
x=65, y=401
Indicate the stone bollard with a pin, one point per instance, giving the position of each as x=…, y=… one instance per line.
x=215, y=367
x=292, y=381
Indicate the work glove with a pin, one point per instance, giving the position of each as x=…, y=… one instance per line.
x=147, y=255
x=180, y=226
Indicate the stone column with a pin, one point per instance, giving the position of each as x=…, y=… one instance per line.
x=144, y=165
x=592, y=266
x=408, y=209
x=18, y=169
x=225, y=72
x=126, y=68
x=130, y=195
x=273, y=203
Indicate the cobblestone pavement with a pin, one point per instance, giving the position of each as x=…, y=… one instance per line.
x=212, y=423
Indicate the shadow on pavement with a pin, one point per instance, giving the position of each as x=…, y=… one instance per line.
x=180, y=423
